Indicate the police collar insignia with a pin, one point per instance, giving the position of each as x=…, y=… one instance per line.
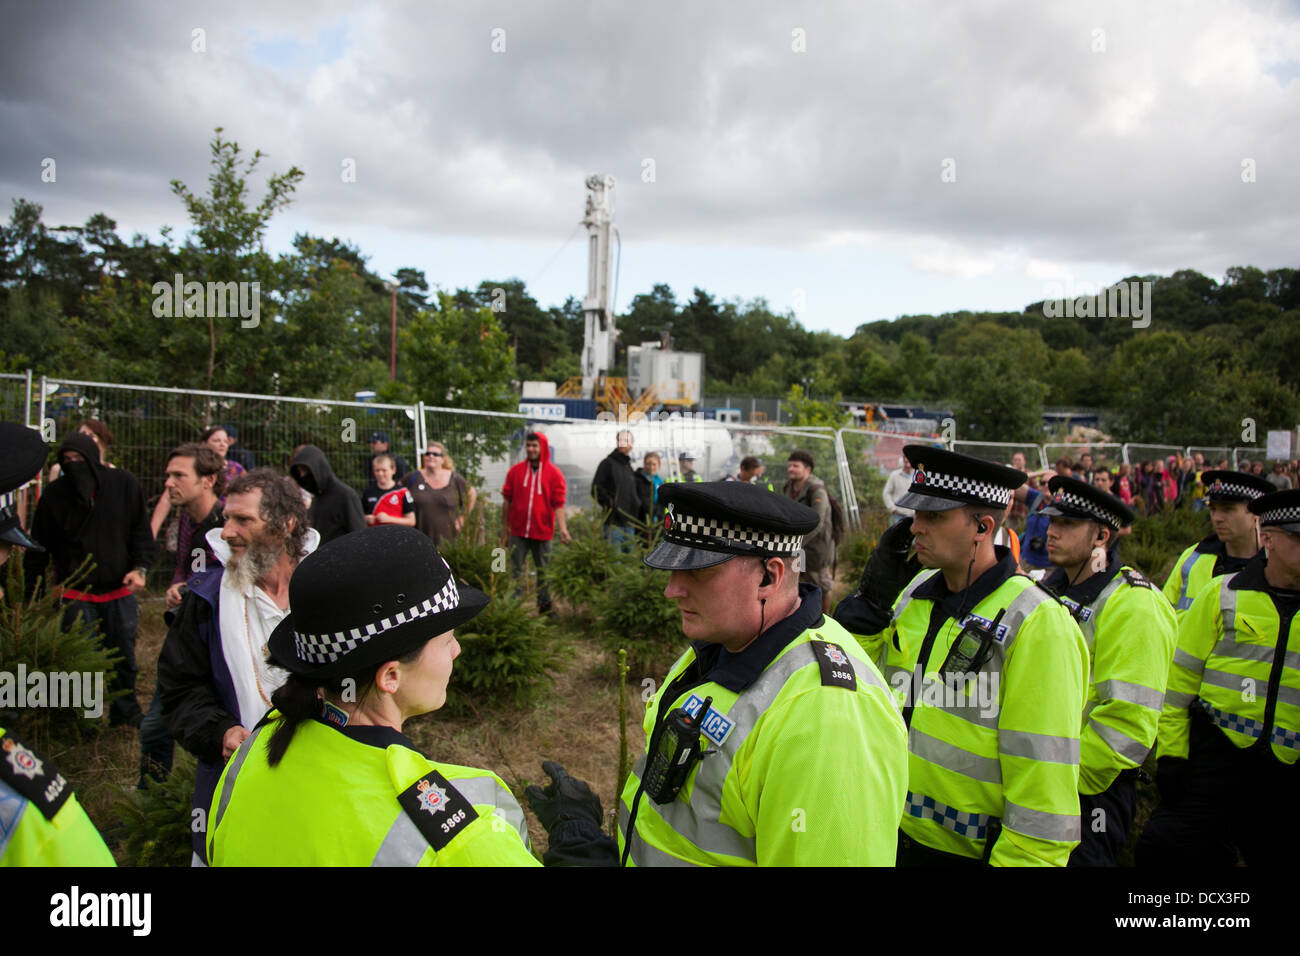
x=433, y=799
x=22, y=760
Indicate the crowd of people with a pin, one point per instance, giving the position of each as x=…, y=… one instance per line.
x=259, y=672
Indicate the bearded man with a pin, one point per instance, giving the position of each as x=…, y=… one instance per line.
x=213, y=674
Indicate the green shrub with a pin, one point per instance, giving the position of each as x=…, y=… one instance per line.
x=32, y=640
x=631, y=612
x=1156, y=542
x=580, y=569
x=505, y=655
x=157, y=821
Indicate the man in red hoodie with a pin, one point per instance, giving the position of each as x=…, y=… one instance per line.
x=534, y=507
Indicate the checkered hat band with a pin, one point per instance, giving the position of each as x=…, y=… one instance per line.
x=1280, y=515
x=982, y=492
x=1229, y=489
x=1089, y=507
x=327, y=648
x=690, y=530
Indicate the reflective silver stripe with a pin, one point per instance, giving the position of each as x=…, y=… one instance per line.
x=1060, y=827
x=643, y=854
x=1120, y=742
x=904, y=599
x=404, y=844
x=1043, y=747
x=482, y=791
x=1243, y=652
x=1233, y=682
x=236, y=764
x=12, y=807
x=972, y=826
x=694, y=825
x=1176, y=698
x=1288, y=695
x=1131, y=693
x=950, y=757
x=1183, y=659
x=1184, y=599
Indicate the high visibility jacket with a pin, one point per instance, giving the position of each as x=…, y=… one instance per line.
x=1131, y=631
x=1194, y=569
x=1238, y=659
x=359, y=796
x=41, y=823
x=810, y=768
x=695, y=476
x=1003, y=746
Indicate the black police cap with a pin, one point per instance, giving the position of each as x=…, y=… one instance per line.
x=946, y=479
x=1072, y=498
x=709, y=522
x=22, y=455
x=1235, y=486
x=1280, y=510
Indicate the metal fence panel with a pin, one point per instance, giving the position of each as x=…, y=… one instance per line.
x=1248, y=454
x=1107, y=454
x=147, y=423
x=1142, y=452
x=1212, y=454
x=16, y=397
x=869, y=456
x=1001, y=452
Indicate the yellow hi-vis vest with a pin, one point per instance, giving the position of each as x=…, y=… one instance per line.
x=41, y=823
x=1193, y=571
x=1236, y=662
x=1002, y=745
x=1131, y=632
x=335, y=801
x=806, y=773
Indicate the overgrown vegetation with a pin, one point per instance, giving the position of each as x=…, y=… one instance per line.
x=156, y=822
x=505, y=656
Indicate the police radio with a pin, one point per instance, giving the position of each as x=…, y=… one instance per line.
x=677, y=751
x=973, y=647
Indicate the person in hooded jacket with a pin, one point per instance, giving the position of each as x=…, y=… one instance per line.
x=335, y=507
x=98, y=513
x=534, y=507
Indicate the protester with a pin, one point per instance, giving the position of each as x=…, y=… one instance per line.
x=380, y=445
x=237, y=452
x=335, y=507
x=648, y=482
x=614, y=489
x=214, y=678
x=383, y=480
x=534, y=493
x=896, y=485
x=103, y=439
x=1124, y=484
x=819, y=545
x=1278, y=479
x=98, y=513
x=442, y=496
x=218, y=441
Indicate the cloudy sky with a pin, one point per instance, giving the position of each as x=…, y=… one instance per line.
x=852, y=161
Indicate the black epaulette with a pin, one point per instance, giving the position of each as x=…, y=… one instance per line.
x=836, y=666
x=1046, y=590
x=1135, y=578
x=32, y=777
x=439, y=811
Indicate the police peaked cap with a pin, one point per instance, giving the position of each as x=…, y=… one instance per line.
x=1281, y=510
x=1072, y=498
x=22, y=456
x=366, y=598
x=945, y=480
x=1235, y=486
x=709, y=522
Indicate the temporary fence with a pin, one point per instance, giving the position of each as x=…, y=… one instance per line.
x=1139, y=452
x=868, y=455
x=1248, y=454
x=1212, y=454
x=16, y=397
x=1002, y=452
x=1104, y=454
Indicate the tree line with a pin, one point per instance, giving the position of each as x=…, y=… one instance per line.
x=79, y=302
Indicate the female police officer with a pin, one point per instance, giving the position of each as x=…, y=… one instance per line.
x=327, y=778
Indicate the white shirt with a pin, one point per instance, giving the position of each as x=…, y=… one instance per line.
x=247, y=620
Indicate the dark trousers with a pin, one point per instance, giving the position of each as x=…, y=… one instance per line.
x=1105, y=819
x=1234, y=800
x=157, y=749
x=117, y=622
x=520, y=549
x=912, y=853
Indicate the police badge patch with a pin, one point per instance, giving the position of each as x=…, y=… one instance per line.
x=438, y=809
x=836, y=667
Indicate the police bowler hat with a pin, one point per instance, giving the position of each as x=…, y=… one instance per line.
x=368, y=597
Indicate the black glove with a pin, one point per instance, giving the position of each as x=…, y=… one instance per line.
x=570, y=812
x=889, y=569
x=1173, y=776
x=563, y=799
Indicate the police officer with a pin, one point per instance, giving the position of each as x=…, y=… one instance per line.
x=1130, y=630
x=773, y=740
x=1229, y=747
x=688, y=474
x=327, y=778
x=1234, y=542
x=41, y=822
x=991, y=670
